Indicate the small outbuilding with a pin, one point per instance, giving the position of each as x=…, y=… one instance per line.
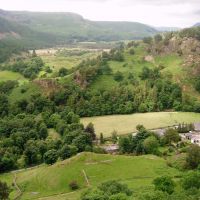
x=113, y=148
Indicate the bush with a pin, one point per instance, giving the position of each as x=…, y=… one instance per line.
x=165, y=184
x=132, y=51
x=4, y=191
x=171, y=135
x=191, y=180
x=118, y=76
x=193, y=156
x=63, y=72
x=99, y=150
x=114, y=187
x=158, y=38
x=50, y=157
x=148, y=40
x=73, y=185
x=151, y=145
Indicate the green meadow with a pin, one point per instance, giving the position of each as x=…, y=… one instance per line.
x=125, y=124
x=8, y=75
x=51, y=182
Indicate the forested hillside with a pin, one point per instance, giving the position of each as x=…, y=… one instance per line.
x=30, y=30
x=41, y=106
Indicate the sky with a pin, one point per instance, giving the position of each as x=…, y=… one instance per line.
x=172, y=13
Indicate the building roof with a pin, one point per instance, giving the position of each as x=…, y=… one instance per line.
x=195, y=137
x=113, y=147
x=160, y=132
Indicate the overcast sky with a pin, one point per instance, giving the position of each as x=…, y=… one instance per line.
x=176, y=13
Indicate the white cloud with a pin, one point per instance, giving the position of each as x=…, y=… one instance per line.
x=154, y=12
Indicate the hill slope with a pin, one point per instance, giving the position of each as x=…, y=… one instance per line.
x=197, y=24
x=72, y=26
x=138, y=172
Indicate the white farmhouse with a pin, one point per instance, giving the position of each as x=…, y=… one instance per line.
x=195, y=139
x=192, y=136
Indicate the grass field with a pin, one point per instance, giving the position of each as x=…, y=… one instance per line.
x=124, y=124
x=25, y=91
x=52, y=182
x=69, y=61
x=134, y=64
x=8, y=75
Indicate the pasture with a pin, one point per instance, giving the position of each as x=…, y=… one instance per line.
x=25, y=91
x=13, y=76
x=51, y=182
x=125, y=124
x=65, y=57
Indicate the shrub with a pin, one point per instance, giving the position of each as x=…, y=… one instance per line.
x=63, y=72
x=151, y=145
x=191, y=180
x=114, y=187
x=193, y=156
x=73, y=185
x=118, y=76
x=50, y=157
x=132, y=51
x=165, y=184
x=4, y=191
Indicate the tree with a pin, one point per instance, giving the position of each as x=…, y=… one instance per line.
x=3, y=105
x=90, y=129
x=34, y=53
x=50, y=157
x=101, y=138
x=118, y=76
x=146, y=73
x=114, y=137
x=142, y=108
x=151, y=145
x=65, y=152
x=82, y=141
x=132, y=51
x=4, y=191
x=31, y=153
x=191, y=180
x=125, y=145
x=165, y=184
x=148, y=40
x=43, y=131
x=158, y=38
x=193, y=156
x=171, y=135
x=62, y=72
x=119, y=196
x=114, y=187
x=73, y=185
x=94, y=194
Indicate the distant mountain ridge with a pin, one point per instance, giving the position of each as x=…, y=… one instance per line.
x=70, y=26
x=197, y=24
x=167, y=29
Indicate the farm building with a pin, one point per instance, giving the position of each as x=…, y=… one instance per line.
x=111, y=148
x=194, y=137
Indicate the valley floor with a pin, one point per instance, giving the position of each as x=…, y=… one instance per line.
x=125, y=124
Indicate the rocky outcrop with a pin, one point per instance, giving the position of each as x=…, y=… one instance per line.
x=47, y=85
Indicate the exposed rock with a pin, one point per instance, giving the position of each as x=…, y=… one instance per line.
x=149, y=58
x=47, y=85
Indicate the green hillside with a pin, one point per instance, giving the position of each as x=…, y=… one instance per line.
x=73, y=26
x=137, y=172
x=29, y=30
